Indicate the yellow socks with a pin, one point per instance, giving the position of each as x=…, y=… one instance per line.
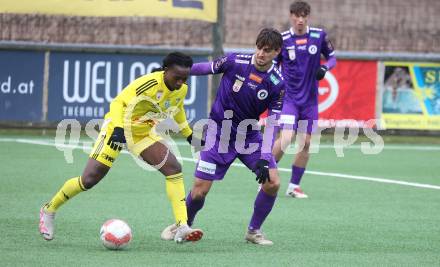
x=70, y=189
x=176, y=194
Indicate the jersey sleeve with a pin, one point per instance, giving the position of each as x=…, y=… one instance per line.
x=180, y=118
x=327, y=48
x=221, y=64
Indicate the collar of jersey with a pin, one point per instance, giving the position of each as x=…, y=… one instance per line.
x=293, y=33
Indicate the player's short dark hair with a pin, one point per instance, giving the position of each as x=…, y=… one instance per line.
x=269, y=37
x=177, y=58
x=300, y=8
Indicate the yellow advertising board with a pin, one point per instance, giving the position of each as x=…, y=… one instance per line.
x=205, y=10
x=411, y=96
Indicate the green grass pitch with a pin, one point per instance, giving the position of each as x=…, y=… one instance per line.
x=345, y=222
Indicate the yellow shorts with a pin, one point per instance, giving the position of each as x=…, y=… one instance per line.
x=103, y=153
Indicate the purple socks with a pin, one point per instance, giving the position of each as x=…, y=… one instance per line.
x=297, y=174
x=262, y=207
x=192, y=207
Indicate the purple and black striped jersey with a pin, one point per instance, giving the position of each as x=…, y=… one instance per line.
x=245, y=90
x=299, y=59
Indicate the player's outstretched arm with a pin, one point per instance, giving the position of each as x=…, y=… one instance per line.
x=203, y=68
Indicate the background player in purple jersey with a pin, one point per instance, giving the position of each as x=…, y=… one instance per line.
x=250, y=84
x=301, y=68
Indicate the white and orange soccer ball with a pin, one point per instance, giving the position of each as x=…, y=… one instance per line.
x=115, y=234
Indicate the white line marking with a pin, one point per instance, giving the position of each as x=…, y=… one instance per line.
x=321, y=146
x=339, y=175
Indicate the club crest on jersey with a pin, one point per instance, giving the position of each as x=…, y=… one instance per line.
x=292, y=54
x=237, y=86
x=159, y=95
x=301, y=41
x=255, y=78
x=313, y=49
x=167, y=104
x=262, y=94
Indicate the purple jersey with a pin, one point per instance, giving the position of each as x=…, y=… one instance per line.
x=245, y=90
x=299, y=59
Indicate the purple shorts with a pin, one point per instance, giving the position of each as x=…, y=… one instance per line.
x=214, y=162
x=302, y=118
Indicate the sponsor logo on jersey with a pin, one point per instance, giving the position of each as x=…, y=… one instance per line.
x=255, y=77
x=301, y=41
x=313, y=49
x=274, y=79
x=177, y=100
x=206, y=167
x=242, y=61
x=262, y=94
x=251, y=85
x=241, y=78
x=237, y=86
x=315, y=35
x=302, y=47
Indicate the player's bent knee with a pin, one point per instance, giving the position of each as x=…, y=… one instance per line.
x=171, y=168
x=198, y=194
x=91, y=177
x=274, y=185
x=200, y=190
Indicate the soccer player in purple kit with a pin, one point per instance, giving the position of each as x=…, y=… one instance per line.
x=250, y=84
x=300, y=65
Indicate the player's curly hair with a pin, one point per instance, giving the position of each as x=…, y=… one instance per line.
x=175, y=58
x=269, y=37
x=300, y=8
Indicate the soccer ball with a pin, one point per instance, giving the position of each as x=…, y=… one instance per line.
x=115, y=234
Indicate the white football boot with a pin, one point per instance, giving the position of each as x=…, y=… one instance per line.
x=47, y=226
x=169, y=232
x=257, y=237
x=295, y=191
x=181, y=233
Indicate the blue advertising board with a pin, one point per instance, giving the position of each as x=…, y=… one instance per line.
x=21, y=85
x=81, y=85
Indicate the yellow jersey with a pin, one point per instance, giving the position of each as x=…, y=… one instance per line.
x=147, y=101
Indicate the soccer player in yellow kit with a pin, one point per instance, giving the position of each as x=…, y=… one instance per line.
x=132, y=118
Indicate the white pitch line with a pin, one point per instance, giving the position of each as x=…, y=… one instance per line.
x=339, y=175
x=320, y=146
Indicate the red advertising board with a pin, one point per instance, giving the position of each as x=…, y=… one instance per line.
x=348, y=92
x=347, y=95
